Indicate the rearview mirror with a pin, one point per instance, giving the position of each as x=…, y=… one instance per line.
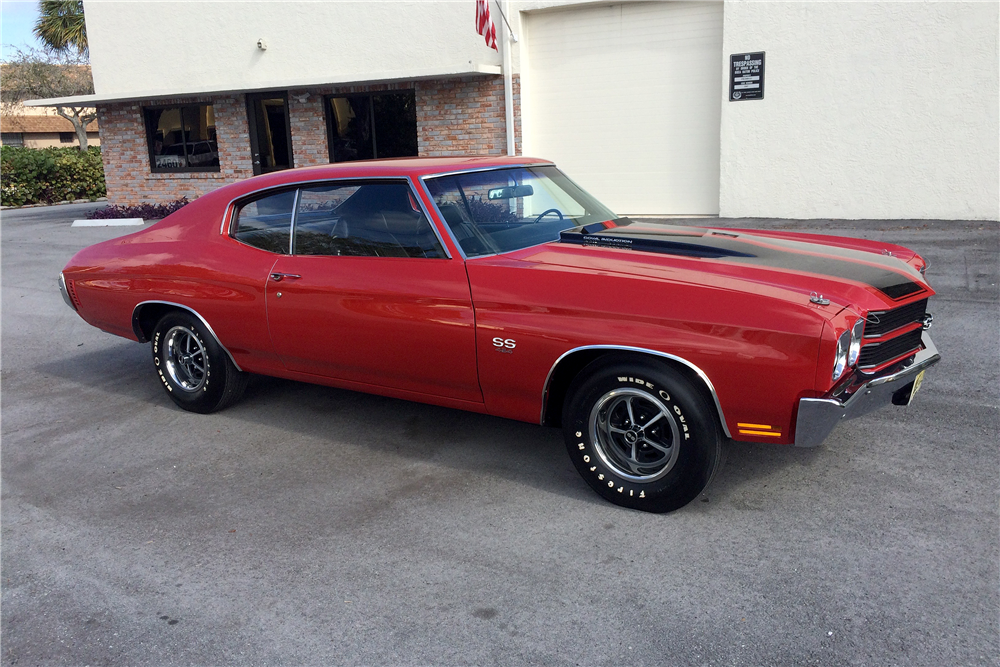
x=511, y=192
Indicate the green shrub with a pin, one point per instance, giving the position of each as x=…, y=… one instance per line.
x=50, y=175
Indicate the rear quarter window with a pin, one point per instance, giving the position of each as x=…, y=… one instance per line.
x=266, y=223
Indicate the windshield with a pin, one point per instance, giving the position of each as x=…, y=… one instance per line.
x=502, y=210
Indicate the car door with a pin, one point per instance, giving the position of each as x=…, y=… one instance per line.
x=368, y=294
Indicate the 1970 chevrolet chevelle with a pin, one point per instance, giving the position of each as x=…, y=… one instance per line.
x=497, y=285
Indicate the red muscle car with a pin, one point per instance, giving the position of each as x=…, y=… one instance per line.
x=497, y=285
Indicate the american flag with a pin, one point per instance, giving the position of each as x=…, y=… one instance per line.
x=484, y=24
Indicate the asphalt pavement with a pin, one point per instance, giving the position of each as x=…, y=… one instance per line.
x=313, y=526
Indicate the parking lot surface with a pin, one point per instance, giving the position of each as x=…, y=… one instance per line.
x=313, y=526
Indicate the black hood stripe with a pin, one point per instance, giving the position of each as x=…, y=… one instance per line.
x=859, y=266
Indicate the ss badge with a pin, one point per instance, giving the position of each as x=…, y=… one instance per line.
x=505, y=345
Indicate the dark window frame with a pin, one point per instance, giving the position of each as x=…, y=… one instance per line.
x=328, y=115
x=151, y=134
x=67, y=137
x=230, y=222
x=251, y=100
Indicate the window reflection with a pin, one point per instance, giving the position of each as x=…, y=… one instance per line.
x=506, y=209
x=270, y=124
x=266, y=223
x=182, y=138
x=366, y=220
x=352, y=128
x=395, y=125
x=376, y=125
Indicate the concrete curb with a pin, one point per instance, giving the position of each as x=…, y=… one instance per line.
x=60, y=203
x=108, y=222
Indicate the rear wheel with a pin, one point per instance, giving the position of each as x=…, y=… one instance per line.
x=641, y=435
x=194, y=369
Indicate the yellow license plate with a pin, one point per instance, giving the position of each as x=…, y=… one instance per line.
x=916, y=385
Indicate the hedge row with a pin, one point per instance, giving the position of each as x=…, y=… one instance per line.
x=50, y=175
x=144, y=211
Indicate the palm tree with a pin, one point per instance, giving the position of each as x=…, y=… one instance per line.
x=61, y=25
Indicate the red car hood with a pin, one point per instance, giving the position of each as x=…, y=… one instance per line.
x=847, y=271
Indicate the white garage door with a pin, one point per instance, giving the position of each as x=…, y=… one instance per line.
x=626, y=99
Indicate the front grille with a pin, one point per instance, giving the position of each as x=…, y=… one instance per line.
x=875, y=354
x=882, y=322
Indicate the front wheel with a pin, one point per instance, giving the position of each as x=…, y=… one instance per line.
x=194, y=369
x=641, y=435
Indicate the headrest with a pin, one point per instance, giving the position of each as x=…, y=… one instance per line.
x=452, y=213
x=411, y=223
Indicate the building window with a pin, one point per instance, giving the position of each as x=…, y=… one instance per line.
x=67, y=137
x=11, y=138
x=371, y=125
x=182, y=138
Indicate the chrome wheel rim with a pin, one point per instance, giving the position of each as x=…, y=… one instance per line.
x=635, y=434
x=184, y=357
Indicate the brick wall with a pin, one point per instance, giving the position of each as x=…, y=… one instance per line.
x=308, y=122
x=465, y=116
x=460, y=116
x=126, y=154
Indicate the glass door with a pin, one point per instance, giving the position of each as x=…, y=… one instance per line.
x=270, y=134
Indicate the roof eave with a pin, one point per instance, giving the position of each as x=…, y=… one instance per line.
x=375, y=77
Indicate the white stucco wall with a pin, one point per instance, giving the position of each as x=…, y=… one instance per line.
x=871, y=110
x=168, y=47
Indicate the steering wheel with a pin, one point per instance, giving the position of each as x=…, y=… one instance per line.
x=545, y=213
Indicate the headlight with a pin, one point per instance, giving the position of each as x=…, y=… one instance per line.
x=856, y=331
x=848, y=349
x=843, y=350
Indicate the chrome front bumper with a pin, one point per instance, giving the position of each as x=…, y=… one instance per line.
x=64, y=291
x=818, y=416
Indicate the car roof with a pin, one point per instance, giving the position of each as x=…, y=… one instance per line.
x=413, y=167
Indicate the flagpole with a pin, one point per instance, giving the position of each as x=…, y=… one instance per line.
x=513, y=37
x=508, y=84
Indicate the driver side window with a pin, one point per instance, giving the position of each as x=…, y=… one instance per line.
x=363, y=220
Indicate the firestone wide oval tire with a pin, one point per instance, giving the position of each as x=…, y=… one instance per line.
x=195, y=371
x=640, y=434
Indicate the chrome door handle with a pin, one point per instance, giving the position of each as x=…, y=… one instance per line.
x=278, y=277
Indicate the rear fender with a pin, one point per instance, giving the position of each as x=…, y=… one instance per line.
x=148, y=313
